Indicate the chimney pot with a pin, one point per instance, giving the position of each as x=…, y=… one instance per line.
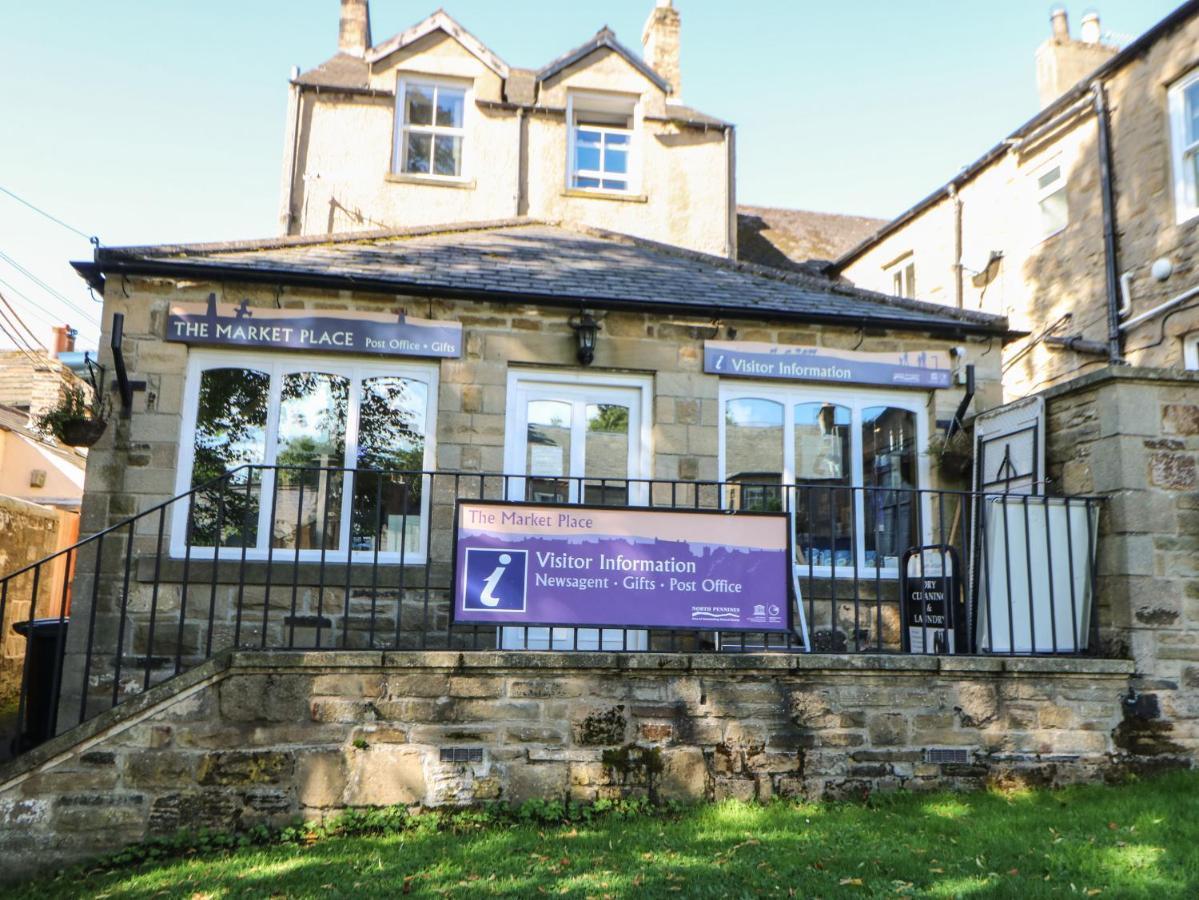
x=1089, y=30
x=660, y=44
x=64, y=340
x=354, y=34
x=1061, y=24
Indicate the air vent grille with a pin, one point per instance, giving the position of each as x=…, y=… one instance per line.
x=461, y=754
x=939, y=755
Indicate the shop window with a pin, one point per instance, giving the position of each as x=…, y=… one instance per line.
x=1052, y=202
x=902, y=276
x=842, y=464
x=429, y=132
x=324, y=459
x=1184, y=130
x=601, y=143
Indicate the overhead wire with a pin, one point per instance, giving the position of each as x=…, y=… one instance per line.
x=90, y=316
x=41, y=212
x=34, y=309
x=20, y=321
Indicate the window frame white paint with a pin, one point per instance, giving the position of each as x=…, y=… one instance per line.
x=901, y=275
x=1041, y=194
x=278, y=365
x=400, y=129
x=580, y=387
x=608, y=104
x=1190, y=351
x=789, y=395
x=1186, y=180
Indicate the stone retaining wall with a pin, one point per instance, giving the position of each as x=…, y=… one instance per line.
x=258, y=737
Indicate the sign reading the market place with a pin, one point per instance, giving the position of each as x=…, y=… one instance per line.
x=533, y=564
x=338, y=331
x=748, y=359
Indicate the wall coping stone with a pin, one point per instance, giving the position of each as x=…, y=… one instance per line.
x=1143, y=374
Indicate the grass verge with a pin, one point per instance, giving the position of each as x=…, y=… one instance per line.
x=1135, y=840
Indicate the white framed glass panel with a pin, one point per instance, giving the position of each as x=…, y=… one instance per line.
x=601, y=142
x=1052, y=198
x=754, y=454
x=1183, y=102
x=430, y=118
x=307, y=430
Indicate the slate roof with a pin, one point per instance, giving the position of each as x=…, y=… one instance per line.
x=785, y=238
x=527, y=261
x=604, y=38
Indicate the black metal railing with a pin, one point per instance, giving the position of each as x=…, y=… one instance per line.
x=304, y=557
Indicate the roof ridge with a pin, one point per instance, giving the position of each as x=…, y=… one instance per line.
x=305, y=240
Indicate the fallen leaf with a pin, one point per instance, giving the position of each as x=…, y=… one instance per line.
x=1013, y=871
x=856, y=882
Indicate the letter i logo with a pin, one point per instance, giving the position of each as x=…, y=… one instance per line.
x=495, y=580
x=488, y=597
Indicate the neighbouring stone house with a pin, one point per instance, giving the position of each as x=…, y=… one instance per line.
x=267, y=615
x=1030, y=231
x=446, y=131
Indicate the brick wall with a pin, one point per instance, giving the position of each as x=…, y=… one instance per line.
x=271, y=736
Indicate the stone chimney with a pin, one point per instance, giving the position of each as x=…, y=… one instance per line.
x=354, y=37
x=1063, y=62
x=660, y=44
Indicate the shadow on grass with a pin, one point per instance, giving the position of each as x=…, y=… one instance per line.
x=1132, y=841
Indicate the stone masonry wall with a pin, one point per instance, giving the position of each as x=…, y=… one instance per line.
x=1132, y=436
x=266, y=737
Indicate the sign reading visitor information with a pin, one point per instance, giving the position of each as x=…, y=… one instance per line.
x=533, y=564
x=749, y=359
x=343, y=331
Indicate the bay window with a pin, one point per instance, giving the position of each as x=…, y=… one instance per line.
x=843, y=464
x=1184, y=131
x=326, y=457
x=429, y=128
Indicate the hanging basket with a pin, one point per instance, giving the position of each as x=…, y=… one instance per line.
x=81, y=432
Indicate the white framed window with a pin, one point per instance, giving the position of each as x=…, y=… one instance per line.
x=430, y=128
x=602, y=146
x=1053, y=208
x=844, y=463
x=1183, y=99
x=1190, y=351
x=577, y=438
x=327, y=456
x=902, y=276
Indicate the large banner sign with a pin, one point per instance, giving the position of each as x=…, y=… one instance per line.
x=532, y=564
x=344, y=331
x=749, y=359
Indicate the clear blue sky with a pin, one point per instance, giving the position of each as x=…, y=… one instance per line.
x=153, y=121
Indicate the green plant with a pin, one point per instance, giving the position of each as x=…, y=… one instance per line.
x=953, y=453
x=77, y=403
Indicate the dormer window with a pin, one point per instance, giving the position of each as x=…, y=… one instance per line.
x=429, y=137
x=601, y=143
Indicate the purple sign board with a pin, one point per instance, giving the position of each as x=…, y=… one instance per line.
x=750, y=359
x=535, y=564
x=335, y=331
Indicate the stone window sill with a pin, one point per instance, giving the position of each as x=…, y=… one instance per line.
x=605, y=195
x=430, y=180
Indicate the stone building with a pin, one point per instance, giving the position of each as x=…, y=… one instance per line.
x=446, y=131
x=1081, y=226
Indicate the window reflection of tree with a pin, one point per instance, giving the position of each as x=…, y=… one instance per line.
x=824, y=471
x=606, y=456
x=889, y=469
x=230, y=432
x=754, y=454
x=391, y=457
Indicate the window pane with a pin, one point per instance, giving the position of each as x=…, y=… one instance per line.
x=606, y=454
x=547, y=454
x=1055, y=212
x=616, y=139
x=616, y=162
x=230, y=432
x=419, y=150
x=823, y=471
x=587, y=153
x=391, y=456
x=586, y=138
x=609, y=185
x=586, y=182
x=1191, y=102
x=753, y=453
x=1049, y=177
x=889, y=476
x=449, y=106
x=447, y=159
x=312, y=440
x=419, y=104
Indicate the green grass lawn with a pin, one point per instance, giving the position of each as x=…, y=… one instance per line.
x=1138, y=840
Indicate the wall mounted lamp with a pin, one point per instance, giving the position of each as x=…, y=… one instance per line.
x=586, y=329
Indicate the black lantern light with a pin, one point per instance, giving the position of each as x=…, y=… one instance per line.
x=586, y=329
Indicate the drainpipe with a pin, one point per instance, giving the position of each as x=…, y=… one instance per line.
x=730, y=188
x=291, y=140
x=1111, y=270
x=958, y=288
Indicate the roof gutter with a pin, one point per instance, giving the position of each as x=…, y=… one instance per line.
x=94, y=272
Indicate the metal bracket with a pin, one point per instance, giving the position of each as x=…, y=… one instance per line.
x=124, y=386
